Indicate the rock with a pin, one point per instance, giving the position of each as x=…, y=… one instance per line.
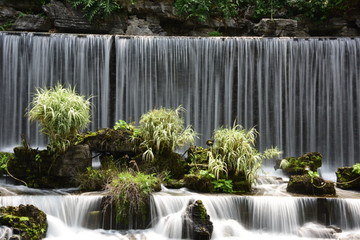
x=276, y=27
x=108, y=140
x=197, y=224
x=198, y=183
x=27, y=220
x=300, y=165
x=38, y=168
x=77, y=159
x=304, y=184
x=23, y=5
x=347, y=179
x=34, y=23
x=314, y=230
x=66, y=19
x=8, y=15
x=150, y=26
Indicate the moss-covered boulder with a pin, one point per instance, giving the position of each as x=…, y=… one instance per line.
x=199, y=183
x=197, y=222
x=40, y=169
x=26, y=220
x=308, y=185
x=300, y=165
x=347, y=178
x=108, y=140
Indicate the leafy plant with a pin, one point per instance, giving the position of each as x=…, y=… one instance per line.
x=223, y=185
x=4, y=159
x=162, y=131
x=234, y=153
x=121, y=124
x=203, y=9
x=131, y=193
x=96, y=8
x=95, y=179
x=62, y=113
x=356, y=168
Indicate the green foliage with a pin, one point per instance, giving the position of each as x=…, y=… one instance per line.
x=162, y=131
x=131, y=193
x=62, y=113
x=121, y=124
x=300, y=165
x=215, y=34
x=356, y=168
x=95, y=179
x=204, y=9
x=96, y=8
x=4, y=159
x=223, y=185
x=234, y=153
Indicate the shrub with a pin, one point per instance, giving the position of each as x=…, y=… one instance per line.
x=234, y=153
x=162, y=131
x=96, y=8
x=131, y=193
x=95, y=179
x=62, y=113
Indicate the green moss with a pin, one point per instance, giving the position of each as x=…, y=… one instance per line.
x=29, y=221
x=301, y=165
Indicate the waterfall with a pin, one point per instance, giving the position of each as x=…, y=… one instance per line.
x=301, y=94
x=248, y=217
x=29, y=61
x=71, y=210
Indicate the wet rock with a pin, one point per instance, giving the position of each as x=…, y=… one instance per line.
x=346, y=178
x=197, y=224
x=198, y=183
x=150, y=26
x=26, y=220
x=314, y=230
x=300, y=165
x=33, y=23
x=276, y=27
x=305, y=184
x=64, y=18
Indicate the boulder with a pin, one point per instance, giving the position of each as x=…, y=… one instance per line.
x=276, y=27
x=144, y=27
x=23, y=5
x=34, y=23
x=318, y=231
x=108, y=140
x=346, y=178
x=197, y=224
x=27, y=220
x=305, y=184
x=39, y=168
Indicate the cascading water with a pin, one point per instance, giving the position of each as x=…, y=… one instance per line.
x=29, y=61
x=301, y=94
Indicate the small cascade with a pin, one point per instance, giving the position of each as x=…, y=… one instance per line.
x=245, y=217
x=72, y=210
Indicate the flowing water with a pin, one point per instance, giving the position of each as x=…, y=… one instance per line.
x=234, y=217
x=301, y=94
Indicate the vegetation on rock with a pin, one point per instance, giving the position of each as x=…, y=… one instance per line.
x=310, y=184
x=131, y=193
x=310, y=161
x=62, y=113
x=348, y=177
x=28, y=220
x=234, y=154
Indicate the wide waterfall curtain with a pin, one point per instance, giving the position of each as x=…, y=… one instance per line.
x=301, y=94
x=29, y=61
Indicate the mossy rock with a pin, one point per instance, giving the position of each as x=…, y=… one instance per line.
x=197, y=155
x=346, y=178
x=307, y=185
x=108, y=140
x=28, y=220
x=199, y=183
x=300, y=165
